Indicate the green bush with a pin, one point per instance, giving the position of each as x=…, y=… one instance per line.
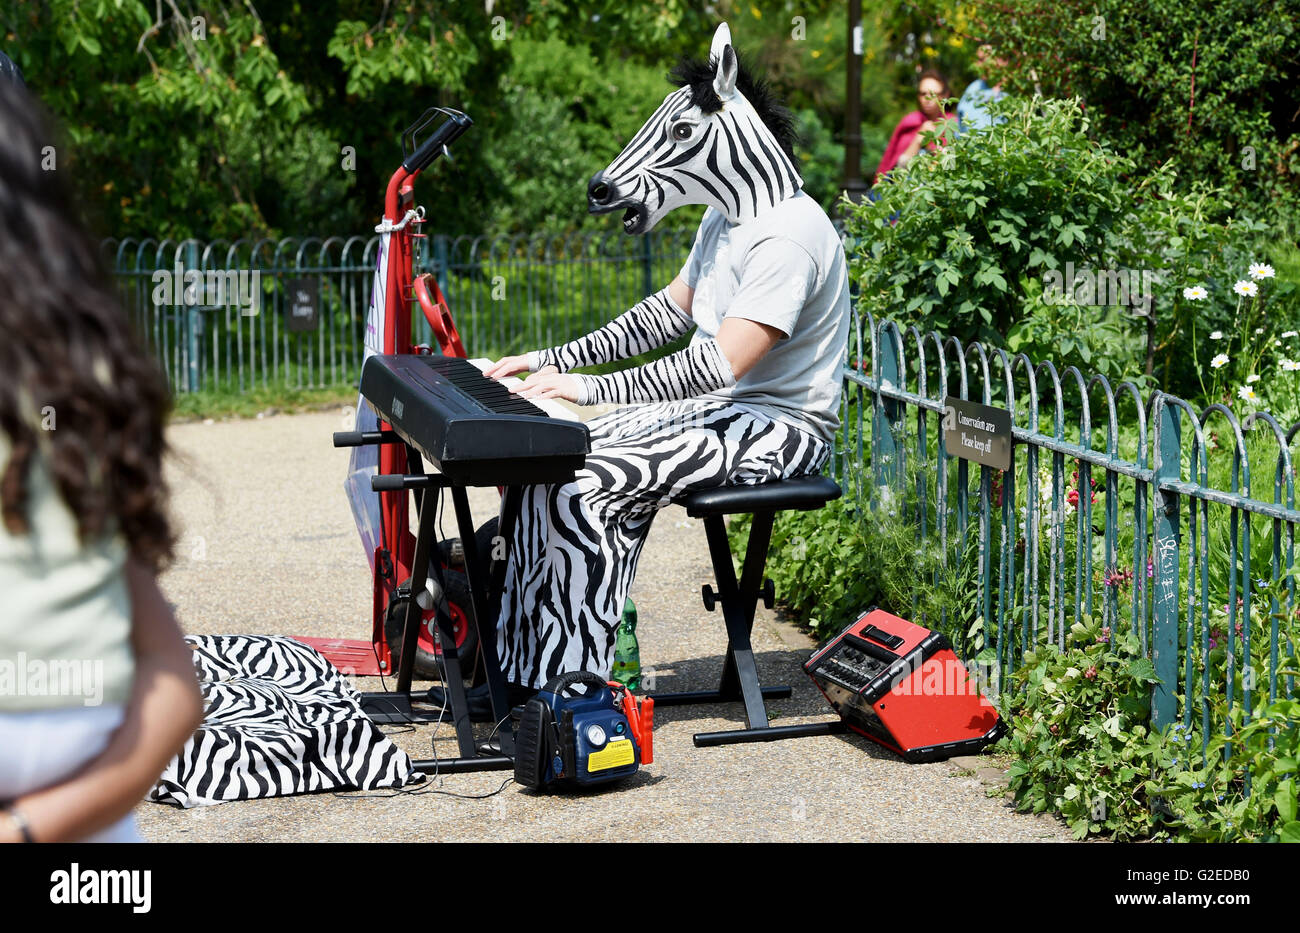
x=977, y=241
x=1080, y=737
x=1246, y=789
x=1085, y=750
x=820, y=158
x=1205, y=87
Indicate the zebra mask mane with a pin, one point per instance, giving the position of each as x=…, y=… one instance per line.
x=708, y=143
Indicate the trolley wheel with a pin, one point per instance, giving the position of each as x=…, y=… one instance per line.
x=427, y=649
x=453, y=552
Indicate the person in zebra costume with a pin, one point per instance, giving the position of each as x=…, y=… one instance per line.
x=753, y=398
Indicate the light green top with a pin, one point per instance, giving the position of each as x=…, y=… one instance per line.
x=65, y=611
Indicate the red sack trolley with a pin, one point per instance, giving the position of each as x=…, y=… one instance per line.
x=383, y=518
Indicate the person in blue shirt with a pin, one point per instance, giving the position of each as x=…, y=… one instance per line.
x=9, y=71
x=972, y=108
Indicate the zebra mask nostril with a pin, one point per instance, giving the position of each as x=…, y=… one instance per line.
x=599, y=193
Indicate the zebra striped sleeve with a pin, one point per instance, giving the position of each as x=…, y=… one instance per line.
x=648, y=324
x=696, y=370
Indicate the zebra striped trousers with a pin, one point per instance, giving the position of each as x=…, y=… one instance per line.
x=576, y=545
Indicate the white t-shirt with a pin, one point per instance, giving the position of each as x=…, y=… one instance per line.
x=785, y=268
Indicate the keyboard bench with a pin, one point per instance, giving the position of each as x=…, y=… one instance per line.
x=739, y=599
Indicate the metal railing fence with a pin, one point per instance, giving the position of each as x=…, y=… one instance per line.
x=506, y=293
x=1137, y=512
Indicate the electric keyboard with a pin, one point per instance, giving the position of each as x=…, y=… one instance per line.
x=471, y=428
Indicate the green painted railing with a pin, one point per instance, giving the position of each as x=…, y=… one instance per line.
x=1137, y=510
x=506, y=293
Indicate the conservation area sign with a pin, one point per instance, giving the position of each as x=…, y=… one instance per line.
x=303, y=295
x=977, y=432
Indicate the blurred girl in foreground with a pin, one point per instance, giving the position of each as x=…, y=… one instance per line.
x=83, y=527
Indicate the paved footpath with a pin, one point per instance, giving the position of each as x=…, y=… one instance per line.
x=268, y=546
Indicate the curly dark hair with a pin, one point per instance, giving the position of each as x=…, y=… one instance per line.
x=68, y=350
x=698, y=75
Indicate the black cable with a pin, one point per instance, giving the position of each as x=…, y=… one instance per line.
x=418, y=790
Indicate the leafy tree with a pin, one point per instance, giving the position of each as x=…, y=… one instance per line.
x=225, y=119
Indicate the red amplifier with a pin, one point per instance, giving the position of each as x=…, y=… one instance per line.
x=901, y=685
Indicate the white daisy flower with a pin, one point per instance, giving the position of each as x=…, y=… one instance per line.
x=1258, y=331
x=1290, y=333
x=1247, y=394
x=1195, y=293
x=1261, y=270
x=1252, y=379
x=1246, y=289
x=1290, y=366
x=1216, y=335
x=1219, y=361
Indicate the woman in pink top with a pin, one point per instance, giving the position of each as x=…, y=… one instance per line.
x=932, y=91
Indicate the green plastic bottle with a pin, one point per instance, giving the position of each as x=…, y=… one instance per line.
x=627, y=653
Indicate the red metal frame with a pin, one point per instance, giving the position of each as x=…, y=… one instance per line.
x=436, y=312
x=396, y=552
x=398, y=539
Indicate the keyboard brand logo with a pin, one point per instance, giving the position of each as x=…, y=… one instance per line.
x=398, y=407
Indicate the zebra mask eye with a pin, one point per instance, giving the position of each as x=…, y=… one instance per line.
x=683, y=132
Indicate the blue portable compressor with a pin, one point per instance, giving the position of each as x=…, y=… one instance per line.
x=602, y=735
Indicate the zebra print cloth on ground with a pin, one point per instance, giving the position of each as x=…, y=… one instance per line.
x=280, y=720
x=576, y=545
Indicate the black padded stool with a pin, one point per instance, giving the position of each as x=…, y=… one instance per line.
x=739, y=673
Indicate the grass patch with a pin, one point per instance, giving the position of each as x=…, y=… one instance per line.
x=230, y=403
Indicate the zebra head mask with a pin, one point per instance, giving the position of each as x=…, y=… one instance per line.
x=708, y=143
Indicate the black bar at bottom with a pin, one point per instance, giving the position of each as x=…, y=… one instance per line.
x=463, y=765
x=714, y=696
x=768, y=734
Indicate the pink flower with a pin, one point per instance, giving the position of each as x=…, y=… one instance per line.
x=1117, y=578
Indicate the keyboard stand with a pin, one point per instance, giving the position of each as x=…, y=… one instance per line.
x=485, y=585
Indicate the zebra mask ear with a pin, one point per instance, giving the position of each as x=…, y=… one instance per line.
x=724, y=79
